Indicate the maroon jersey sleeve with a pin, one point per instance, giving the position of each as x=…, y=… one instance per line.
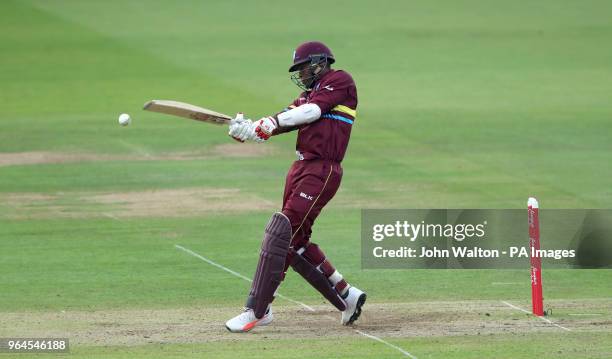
x=333, y=91
x=328, y=137
x=302, y=99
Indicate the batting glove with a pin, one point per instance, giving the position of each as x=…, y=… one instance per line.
x=241, y=129
x=263, y=128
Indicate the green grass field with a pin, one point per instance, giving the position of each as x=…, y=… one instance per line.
x=465, y=104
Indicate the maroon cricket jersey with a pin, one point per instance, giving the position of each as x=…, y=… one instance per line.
x=328, y=137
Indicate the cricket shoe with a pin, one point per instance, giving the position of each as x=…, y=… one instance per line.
x=354, y=301
x=246, y=321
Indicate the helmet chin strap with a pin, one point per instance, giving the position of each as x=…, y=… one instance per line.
x=318, y=69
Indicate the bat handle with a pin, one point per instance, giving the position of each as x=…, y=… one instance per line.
x=239, y=118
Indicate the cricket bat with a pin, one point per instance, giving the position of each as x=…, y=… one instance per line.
x=186, y=110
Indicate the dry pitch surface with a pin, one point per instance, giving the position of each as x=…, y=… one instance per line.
x=390, y=320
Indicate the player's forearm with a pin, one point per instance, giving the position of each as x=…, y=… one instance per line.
x=286, y=121
x=280, y=130
x=301, y=115
x=290, y=120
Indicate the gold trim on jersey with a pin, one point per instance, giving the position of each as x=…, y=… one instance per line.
x=345, y=109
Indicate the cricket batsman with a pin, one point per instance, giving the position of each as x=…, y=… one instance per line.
x=323, y=115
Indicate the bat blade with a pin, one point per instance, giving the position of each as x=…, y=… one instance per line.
x=186, y=110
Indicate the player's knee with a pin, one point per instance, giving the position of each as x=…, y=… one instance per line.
x=293, y=216
x=279, y=222
x=278, y=234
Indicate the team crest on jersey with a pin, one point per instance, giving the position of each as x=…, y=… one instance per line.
x=329, y=88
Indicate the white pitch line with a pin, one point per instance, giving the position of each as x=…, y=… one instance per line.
x=212, y=263
x=309, y=308
x=586, y=314
x=373, y=337
x=186, y=250
x=386, y=343
x=515, y=307
x=528, y=312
